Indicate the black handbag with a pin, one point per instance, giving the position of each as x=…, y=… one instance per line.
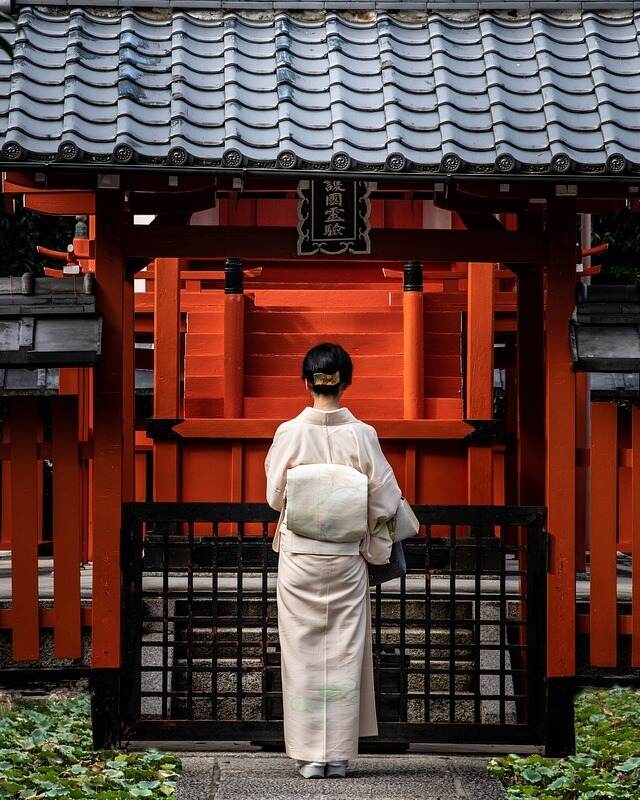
x=396, y=568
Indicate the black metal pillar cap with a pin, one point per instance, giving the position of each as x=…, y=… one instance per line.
x=233, y=277
x=412, y=276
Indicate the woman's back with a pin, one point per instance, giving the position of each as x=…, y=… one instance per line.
x=324, y=614
x=336, y=437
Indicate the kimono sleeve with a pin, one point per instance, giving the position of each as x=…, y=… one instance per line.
x=384, y=492
x=275, y=465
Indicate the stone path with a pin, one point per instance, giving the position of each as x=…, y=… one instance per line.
x=270, y=776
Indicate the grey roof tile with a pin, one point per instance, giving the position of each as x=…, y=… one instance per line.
x=448, y=92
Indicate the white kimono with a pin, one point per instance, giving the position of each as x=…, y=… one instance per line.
x=324, y=612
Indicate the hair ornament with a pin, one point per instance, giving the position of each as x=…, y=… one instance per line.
x=324, y=379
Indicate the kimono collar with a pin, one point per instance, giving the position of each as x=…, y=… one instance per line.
x=337, y=416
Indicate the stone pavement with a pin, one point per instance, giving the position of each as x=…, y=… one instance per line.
x=271, y=776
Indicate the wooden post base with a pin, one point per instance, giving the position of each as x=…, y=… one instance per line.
x=560, y=736
x=105, y=708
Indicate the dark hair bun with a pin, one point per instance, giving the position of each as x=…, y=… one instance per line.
x=323, y=361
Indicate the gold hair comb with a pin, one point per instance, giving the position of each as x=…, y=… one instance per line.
x=323, y=379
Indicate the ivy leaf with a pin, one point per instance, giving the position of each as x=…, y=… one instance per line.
x=531, y=775
x=629, y=765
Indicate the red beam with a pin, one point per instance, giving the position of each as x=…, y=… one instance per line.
x=60, y=203
x=265, y=428
x=275, y=243
x=47, y=617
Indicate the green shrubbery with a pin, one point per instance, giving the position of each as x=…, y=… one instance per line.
x=607, y=760
x=45, y=751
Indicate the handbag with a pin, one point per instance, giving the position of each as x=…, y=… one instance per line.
x=405, y=524
x=396, y=568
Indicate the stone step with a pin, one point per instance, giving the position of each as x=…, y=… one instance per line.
x=226, y=608
x=226, y=640
x=395, y=706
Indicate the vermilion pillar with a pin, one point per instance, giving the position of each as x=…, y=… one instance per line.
x=24, y=526
x=233, y=339
x=109, y=429
x=413, y=341
x=166, y=376
x=603, y=630
x=67, y=526
x=479, y=383
x=530, y=382
x=560, y=451
x=413, y=364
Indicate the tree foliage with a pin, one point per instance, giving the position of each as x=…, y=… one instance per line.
x=621, y=231
x=21, y=232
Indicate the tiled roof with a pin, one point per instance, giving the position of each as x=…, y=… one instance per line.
x=334, y=5
x=488, y=94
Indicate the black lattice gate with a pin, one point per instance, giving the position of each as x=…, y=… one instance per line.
x=458, y=644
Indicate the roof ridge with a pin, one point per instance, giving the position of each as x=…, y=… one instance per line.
x=504, y=6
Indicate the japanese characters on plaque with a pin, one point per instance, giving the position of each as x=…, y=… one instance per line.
x=333, y=216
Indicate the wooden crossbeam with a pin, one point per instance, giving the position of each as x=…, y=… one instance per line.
x=275, y=243
x=265, y=428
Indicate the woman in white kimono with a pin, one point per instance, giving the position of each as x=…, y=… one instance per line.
x=324, y=611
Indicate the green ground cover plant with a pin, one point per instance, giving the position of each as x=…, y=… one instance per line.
x=45, y=751
x=607, y=760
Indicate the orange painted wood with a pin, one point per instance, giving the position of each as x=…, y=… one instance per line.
x=356, y=343
x=531, y=379
x=443, y=408
x=24, y=526
x=167, y=339
x=635, y=536
x=602, y=524
x=410, y=463
x=320, y=321
x=68, y=380
x=166, y=390
x=128, y=393
x=560, y=454
x=206, y=344
x=479, y=390
x=234, y=349
x=480, y=475
x=582, y=497
x=326, y=298
x=479, y=379
x=85, y=431
x=285, y=386
x=363, y=365
x=141, y=475
x=624, y=622
x=67, y=533
x=60, y=203
x=47, y=617
x=108, y=431
x=5, y=532
x=394, y=246
x=206, y=322
x=412, y=355
x=265, y=428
